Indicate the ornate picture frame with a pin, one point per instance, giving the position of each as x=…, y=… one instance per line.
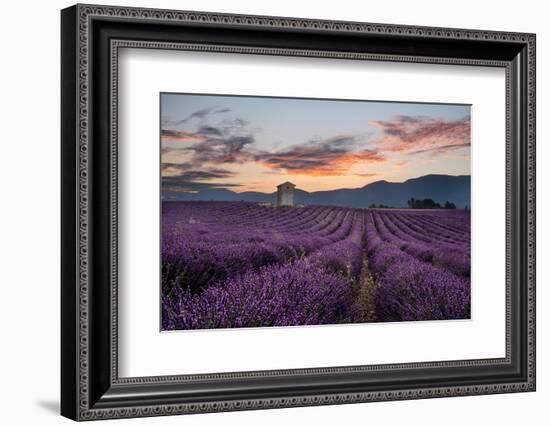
x=91, y=37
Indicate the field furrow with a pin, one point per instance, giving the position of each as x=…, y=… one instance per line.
x=240, y=264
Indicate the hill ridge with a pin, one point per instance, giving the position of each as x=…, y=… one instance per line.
x=438, y=187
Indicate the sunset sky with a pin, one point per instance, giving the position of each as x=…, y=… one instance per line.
x=255, y=143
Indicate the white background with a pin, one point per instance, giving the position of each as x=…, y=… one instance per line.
x=29, y=229
x=142, y=346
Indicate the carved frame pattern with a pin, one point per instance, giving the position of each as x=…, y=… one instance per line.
x=85, y=409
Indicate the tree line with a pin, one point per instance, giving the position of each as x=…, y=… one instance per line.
x=428, y=203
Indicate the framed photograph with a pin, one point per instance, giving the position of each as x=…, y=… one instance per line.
x=263, y=212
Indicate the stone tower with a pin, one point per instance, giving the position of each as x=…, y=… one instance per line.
x=285, y=194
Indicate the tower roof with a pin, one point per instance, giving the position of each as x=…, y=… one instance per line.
x=285, y=184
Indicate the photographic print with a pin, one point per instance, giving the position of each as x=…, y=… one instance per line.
x=295, y=211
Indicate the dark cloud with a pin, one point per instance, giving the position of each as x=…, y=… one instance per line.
x=231, y=141
x=209, y=130
x=443, y=148
x=178, y=184
x=179, y=167
x=332, y=156
x=200, y=114
x=181, y=136
x=186, y=171
x=189, y=180
x=418, y=134
x=205, y=174
x=235, y=123
x=221, y=150
x=225, y=142
x=193, y=186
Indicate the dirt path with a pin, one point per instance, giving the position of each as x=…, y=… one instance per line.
x=366, y=292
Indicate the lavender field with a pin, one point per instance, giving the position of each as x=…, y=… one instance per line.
x=241, y=264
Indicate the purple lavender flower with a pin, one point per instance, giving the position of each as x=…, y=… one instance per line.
x=237, y=264
x=299, y=293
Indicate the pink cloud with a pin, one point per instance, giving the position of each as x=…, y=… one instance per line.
x=415, y=135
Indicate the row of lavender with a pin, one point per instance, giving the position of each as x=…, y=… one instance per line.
x=228, y=264
x=419, y=276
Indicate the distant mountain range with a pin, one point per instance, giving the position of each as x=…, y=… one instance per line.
x=440, y=188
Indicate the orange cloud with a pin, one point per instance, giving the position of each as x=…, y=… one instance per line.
x=329, y=157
